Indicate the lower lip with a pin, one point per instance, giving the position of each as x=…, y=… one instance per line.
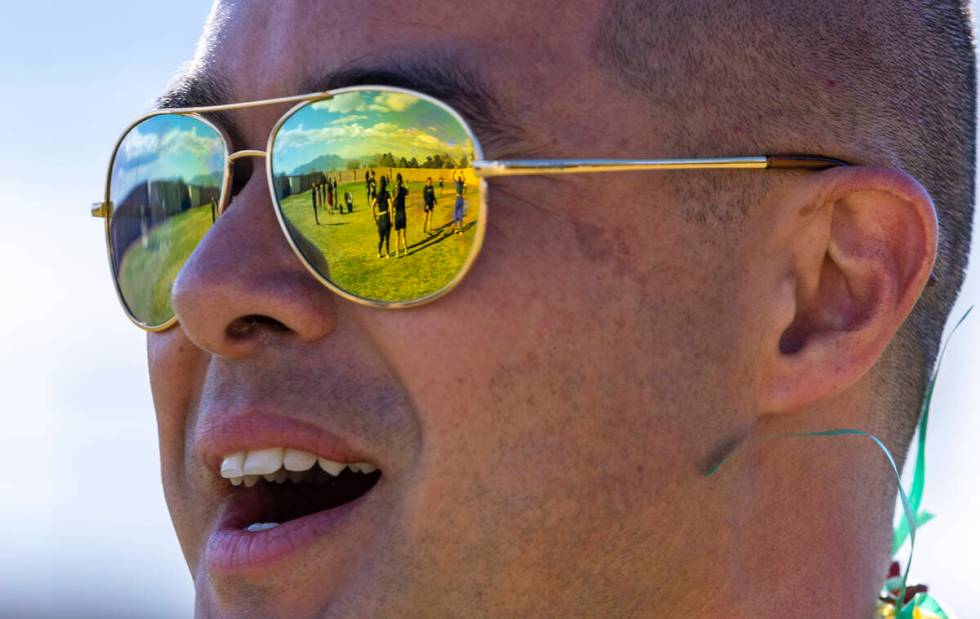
x=232, y=550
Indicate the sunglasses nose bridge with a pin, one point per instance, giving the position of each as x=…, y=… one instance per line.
x=230, y=171
x=241, y=154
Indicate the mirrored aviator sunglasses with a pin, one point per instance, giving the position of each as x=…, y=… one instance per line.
x=374, y=189
x=379, y=191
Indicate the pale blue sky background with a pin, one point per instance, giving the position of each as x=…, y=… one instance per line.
x=85, y=530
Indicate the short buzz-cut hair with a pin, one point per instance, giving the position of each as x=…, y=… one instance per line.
x=882, y=82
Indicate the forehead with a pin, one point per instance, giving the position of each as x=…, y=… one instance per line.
x=532, y=59
x=282, y=43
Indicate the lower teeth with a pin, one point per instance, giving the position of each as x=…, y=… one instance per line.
x=261, y=526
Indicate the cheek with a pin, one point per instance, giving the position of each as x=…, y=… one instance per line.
x=174, y=381
x=516, y=371
x=176, y=374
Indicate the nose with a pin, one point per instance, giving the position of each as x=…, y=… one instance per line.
x=243, y=287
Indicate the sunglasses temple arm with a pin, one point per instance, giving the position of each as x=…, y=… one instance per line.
x=527, y=167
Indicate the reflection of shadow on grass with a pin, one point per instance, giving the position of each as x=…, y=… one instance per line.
x=339, y=223
x=436, y=238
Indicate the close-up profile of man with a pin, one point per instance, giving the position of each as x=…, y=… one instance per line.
x=632, y=239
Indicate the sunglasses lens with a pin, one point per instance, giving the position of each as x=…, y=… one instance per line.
x=376, y=191
x=165, y=188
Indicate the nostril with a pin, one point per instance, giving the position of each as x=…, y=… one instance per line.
x=250, y=326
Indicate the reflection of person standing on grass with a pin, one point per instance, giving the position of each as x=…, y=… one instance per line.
x=349, y=199
x=401, y=235
x=458, y=210
x=367, y=184
x=329, y=195
x=381, y=216
x=313, y=196
x=429, y=198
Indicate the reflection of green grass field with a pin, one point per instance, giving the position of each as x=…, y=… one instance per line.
x=150, y=265
x=349, y=242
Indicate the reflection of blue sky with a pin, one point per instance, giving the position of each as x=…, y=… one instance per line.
x=169, y=146
x=360, y=124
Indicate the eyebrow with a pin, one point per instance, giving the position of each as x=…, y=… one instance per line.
x=495, y=124
x=200, y=89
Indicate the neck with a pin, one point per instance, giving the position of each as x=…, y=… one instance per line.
x=809, y=526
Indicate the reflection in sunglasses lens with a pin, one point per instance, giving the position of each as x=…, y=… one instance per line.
x=377, y=192
x=165, y=188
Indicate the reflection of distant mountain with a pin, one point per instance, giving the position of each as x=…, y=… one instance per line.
x=321, y=164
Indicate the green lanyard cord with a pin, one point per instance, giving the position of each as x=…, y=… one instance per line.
x=914, y=516
x=902, y=532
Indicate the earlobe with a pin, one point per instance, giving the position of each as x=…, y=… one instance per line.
x=856, y=268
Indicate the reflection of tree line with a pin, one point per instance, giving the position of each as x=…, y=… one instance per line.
x=150, y=203
x=387, y=160
x=288, y=185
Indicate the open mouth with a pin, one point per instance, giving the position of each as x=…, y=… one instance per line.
x=275, y=485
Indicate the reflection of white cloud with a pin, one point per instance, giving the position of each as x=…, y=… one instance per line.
x=353, y=118
x=178, y=143
x=139, y=144
x=343, y=103
x=395, y=101
x=189, y=143
x=357, y=101
x=356, y=140
x=180, y=152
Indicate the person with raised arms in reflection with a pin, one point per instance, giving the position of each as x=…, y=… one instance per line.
x=429, y=200
x=401, y=223
x=382, y=217
x=460, y=183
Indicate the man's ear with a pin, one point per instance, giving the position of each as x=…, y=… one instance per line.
x=854, y=251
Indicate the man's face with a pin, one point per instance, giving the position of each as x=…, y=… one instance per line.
x=539, y=431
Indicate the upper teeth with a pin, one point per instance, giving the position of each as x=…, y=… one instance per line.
x=274, y=462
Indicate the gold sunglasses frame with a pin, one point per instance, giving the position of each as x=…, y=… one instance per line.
x=482, y=168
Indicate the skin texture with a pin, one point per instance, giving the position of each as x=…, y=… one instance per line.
x=544, y=430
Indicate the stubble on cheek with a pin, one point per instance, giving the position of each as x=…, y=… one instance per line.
x=177, y=370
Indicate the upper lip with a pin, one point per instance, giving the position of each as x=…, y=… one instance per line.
x=219, y=436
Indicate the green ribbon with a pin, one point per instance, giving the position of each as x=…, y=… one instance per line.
x=919, y=475
x=905, y=531
x=914, y=515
